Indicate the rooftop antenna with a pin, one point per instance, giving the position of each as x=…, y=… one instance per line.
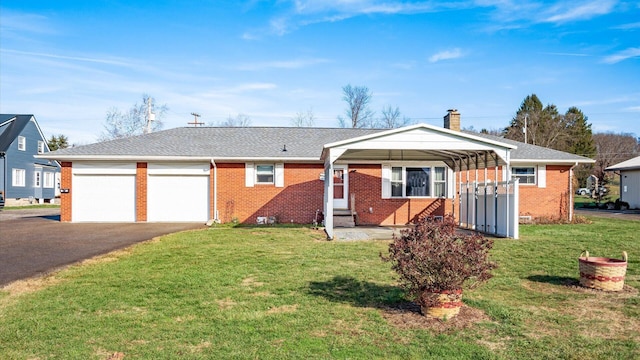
x=195, y=122
x=150, y=116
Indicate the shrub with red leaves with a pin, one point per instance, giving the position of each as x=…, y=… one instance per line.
x=434, y=258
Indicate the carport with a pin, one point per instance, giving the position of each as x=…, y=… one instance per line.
x=490, y=206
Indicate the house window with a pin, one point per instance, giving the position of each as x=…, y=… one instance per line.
x=396, y=182
x=40, y=147
x=17, y=177
x=418, y=181
x=439, y=182
x=527, y=175
x=36, y=179
x=22, y=143
x=264, y=174
x=48, y=180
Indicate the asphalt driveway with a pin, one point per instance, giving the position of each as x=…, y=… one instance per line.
x=34, y=242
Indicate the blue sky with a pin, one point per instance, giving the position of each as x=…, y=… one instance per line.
x=68, y=62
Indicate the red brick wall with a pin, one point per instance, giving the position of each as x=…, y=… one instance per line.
x=551, y=201
x=297, y=201
x=141, y=192
x=65, y=198
x=365, y=182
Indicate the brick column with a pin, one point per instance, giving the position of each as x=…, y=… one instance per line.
x=141, y=192
x=65, y=197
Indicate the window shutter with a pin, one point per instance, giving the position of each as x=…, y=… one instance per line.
x=249, y=176
x=279, y=170
x=542, y=176
x=451, y=183
x=386, y=181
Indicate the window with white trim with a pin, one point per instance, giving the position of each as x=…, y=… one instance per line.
x=36, y=179
x=526, y=174
x=40, y=147
x=411, y=181
x=22, y=143
x=265, y=174
x=49, y=180
x=18, y=177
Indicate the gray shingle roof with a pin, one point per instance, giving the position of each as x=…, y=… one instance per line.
x=11, y=130
x=260, y=142
x=534, y=152
x=223, y=142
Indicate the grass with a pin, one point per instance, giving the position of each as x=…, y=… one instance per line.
x=286, y=293
x=38, y=206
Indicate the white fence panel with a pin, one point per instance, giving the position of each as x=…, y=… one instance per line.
x=490, y=208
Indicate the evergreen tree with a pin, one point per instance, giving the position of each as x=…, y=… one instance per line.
x=581, y=143
x=58, y=142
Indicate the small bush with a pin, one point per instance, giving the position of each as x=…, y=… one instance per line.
x=434, y=258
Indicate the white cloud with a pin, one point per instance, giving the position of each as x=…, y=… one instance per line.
x=568, y=11
x=446, y=55
x=282, y=64
x=15, y=22
x=117, y=62
x=629, y=26
x=622, y=55
x=307, y=12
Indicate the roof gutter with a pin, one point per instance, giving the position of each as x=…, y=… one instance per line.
x=171, y=158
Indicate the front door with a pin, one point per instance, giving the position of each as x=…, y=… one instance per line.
x=340, y=187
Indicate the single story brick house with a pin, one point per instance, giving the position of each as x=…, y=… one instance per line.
x=378, y=177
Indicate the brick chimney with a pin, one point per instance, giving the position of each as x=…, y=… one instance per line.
x=452, y=120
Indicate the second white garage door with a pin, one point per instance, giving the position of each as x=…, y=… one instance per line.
x=177, y=198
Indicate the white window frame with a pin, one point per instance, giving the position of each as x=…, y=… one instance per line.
x=272, y=173
x=49, y=179
x=22, y=143
x=403, y=181
x=522, y=177
x=40, y=147
x=18, y=177
x=37, y=181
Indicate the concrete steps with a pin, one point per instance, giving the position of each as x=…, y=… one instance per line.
x=343, y=218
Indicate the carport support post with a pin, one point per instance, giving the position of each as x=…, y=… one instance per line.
x=328, y=197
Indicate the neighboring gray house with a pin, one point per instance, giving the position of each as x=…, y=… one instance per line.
x=629, y=181
x=23, y=178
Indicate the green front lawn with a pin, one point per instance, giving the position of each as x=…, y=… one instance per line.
x=286, y=293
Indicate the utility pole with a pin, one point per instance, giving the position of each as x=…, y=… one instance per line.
x=150, y=117
x=524, y=129
x=195, y=122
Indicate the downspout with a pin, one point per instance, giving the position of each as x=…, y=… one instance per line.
x=216, y=218
x=571, y=192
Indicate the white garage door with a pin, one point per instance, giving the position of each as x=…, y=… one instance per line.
x=103, y=198
x=182, y=198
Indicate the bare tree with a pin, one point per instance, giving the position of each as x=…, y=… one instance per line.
x=358, y=114
x=304, y=119
x=612, y=149
x=391, y=118
x=241, y=120
x=133, y=122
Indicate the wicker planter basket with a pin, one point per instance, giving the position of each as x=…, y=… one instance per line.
x=602, y=273
x=448, y=305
